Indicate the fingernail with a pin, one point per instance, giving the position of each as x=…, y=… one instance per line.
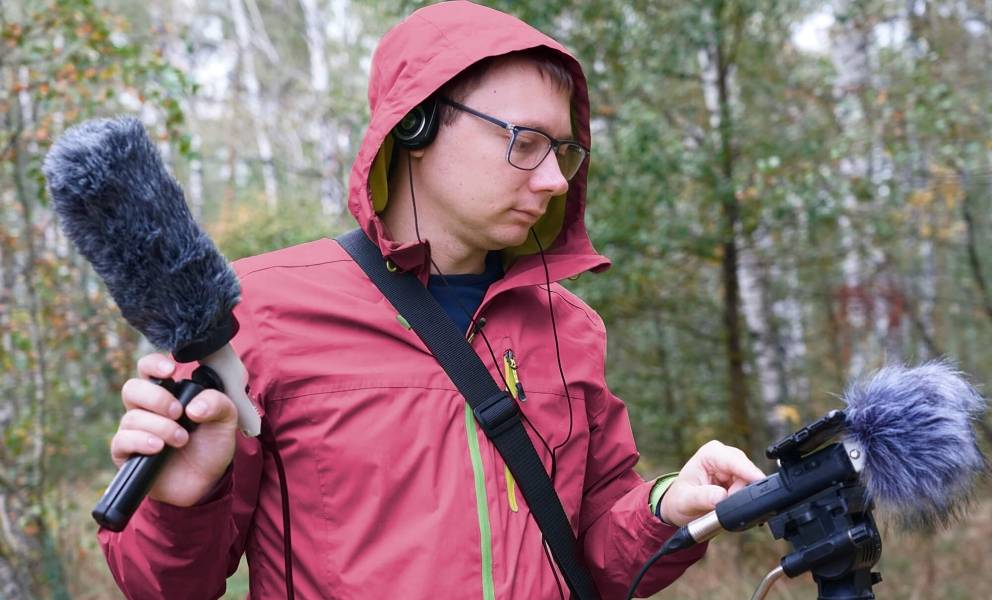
x=196, y=409
x=175, y=410
x=180, y=435
x=152, y=442
x=165, y=367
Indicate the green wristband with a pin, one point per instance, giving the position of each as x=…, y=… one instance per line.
x=661, y=486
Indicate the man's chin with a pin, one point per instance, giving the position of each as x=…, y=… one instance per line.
x=514, y=238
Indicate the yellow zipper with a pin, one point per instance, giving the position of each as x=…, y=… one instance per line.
x=512, y=377
x=517, y=391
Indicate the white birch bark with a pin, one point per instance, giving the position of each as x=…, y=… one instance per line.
x=755, y=294
x=253, y=101
x=331, y=191
x=849, y=54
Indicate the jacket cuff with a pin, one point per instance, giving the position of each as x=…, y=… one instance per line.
x=656, y=532
x=194, y=521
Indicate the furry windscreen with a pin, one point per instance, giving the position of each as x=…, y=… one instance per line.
x=128, y=217
x=915, y=425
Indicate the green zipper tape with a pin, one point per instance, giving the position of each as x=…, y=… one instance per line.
x=481, y=506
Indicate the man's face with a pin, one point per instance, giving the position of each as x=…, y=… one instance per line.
x=473, y=193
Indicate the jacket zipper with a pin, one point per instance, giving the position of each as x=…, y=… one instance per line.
x=512, y=377
x=517, y=391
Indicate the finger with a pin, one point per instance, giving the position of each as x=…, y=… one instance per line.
x=128, y=442
x=211, y=406
x=729, y=465
x=145, y=395
x=164, y=428
x=155, y=365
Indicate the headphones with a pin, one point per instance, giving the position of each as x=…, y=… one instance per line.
x=418, y=127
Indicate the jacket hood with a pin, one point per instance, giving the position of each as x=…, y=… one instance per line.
x=413, y=60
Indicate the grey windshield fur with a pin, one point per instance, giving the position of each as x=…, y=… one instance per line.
x=128, y=217
x=915, y=425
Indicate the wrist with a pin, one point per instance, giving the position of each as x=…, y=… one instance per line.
x=657, y=493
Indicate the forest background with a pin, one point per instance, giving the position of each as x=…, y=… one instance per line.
x=793, y=193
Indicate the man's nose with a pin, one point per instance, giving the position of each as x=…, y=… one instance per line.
x=547, y=177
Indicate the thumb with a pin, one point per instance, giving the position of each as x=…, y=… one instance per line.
x=212, y=406
x=704, y=498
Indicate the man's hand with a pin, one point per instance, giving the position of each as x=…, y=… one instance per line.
x=714, y=472
x=149, y=424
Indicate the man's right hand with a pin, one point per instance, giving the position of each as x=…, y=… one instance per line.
x=197, y=461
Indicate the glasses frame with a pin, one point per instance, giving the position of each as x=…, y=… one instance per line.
x=553, y=146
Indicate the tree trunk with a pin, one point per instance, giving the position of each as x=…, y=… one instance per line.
x=854, y=302
x=254, y=101
x=24, y=192
x=717, y=81
x=668, y=387
x=331, y=192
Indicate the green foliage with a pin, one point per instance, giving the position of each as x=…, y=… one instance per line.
x=255, y=229
x=63, y=354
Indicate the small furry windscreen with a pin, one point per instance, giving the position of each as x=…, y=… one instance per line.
x=915, y=425
x=128, y=217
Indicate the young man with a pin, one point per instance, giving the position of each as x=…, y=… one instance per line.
x=393, y=487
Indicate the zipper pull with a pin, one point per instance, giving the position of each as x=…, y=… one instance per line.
x=512, y=377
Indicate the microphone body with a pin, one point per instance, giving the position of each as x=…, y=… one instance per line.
x=763, y=499
x=127, y=216
x=906, y=445
x=906, y=438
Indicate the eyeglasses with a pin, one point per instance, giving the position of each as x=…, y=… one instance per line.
x=529, y=147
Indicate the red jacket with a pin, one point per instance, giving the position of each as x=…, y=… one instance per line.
x=395, y=492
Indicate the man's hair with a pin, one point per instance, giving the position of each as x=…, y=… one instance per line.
x=549, y=63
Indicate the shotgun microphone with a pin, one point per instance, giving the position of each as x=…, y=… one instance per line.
x=127, y=216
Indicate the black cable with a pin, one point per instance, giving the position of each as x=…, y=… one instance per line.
x=496, y=364
x=561, y=371
x=268, y=441
x=478, y=329
x=680, y=540
x=413, y=200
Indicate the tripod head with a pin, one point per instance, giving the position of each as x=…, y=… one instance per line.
x=832, y=533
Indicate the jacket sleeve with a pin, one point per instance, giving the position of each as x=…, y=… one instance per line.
x=169, y=552
x=617, y=529
x=187, y=552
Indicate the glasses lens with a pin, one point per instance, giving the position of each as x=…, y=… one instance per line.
x=528, y=149
x=570, y=157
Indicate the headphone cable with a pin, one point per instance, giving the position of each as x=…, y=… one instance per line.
x=474, y=327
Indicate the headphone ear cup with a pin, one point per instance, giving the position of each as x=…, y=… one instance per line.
x=418, y=128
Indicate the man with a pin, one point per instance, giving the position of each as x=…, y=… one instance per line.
x=394, y=489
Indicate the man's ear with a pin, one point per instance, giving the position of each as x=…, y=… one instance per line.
x=418, y=153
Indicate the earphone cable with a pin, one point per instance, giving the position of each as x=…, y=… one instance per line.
x=561, y=371
x=492, y=354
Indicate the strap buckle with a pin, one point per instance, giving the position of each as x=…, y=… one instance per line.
x=497, y=414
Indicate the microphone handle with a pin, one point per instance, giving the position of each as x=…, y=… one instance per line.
x=138, y=472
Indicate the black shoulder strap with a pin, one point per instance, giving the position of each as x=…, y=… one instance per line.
x=494, y=409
